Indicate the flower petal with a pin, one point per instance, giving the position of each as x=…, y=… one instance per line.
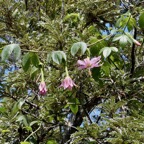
x=67, y=83
x=80, y=62
x=42, y=88
x=95, y=59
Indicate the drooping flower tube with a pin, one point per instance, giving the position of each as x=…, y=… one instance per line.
x=137, y=42
x=89, y=64
x=42, y=86
x=67, y=83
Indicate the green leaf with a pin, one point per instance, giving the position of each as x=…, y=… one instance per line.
x=20, y=103
x=131, y=24
x=126, y=20
x=130, y=38
x=119, y=104
x=24, y=142
x=106, y=51
x=83, y=47
x=33, y=72
x=141, y=21
x=17, y=52
x=78, y=46
x=74, y=108
x=58, y=56
x=15, y=108
x=117, y=37
x=34, y=122
x=26, y=61
x=51, y=142
x=28, y=128
x=35, y=59
x=119, y=21
x=71, y=16
x=6, y=52
x=15, y=12
x=114, y=49
x=2, y=109
x=22, y=118
x=5, y=131
x=124, y=40
x=75, y=48
x=73, y=103
x=106, y=68
x=9, y=49
x=114, y=140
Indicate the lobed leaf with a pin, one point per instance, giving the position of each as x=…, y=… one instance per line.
x=9, y=49
x=58, y=56
x=78, y=46
x=141, y=20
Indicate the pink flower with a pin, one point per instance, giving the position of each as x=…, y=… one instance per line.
x=87, y=63
x=136, y=42
x=42, y=88
x=67, y=83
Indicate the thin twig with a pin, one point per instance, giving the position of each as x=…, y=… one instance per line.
x=32, y=133
x=99, y=40
x=87, y=114
x=34, y=51
x=62, y=14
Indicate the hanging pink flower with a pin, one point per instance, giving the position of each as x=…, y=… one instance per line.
x=137, y=42
x=87, y=63
x=42, y=88
x=67, y=83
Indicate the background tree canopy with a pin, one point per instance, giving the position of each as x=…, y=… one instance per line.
x=71, y=72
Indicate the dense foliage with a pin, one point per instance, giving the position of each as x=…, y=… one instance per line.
x=71, y=72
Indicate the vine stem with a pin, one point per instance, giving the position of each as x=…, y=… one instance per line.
x=66, y=70
x=32, y=133
x=34, y=51
x=99, y=40
x=42, y=75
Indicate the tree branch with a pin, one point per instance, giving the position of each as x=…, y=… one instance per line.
x=133, y=55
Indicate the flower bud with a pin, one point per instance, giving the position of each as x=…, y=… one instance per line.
x=42, y=88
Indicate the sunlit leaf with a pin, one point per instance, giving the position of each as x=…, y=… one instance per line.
x=78, y=46
x=58, y=56
x=51, y=142
x=106, y=51
x=26, y=61
x=22, y=119
x=11, y=49
x=74, y=103
x=114, y=49
x=25, y=143
x=20, y=103
x=35, y=60
x=141, y=20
